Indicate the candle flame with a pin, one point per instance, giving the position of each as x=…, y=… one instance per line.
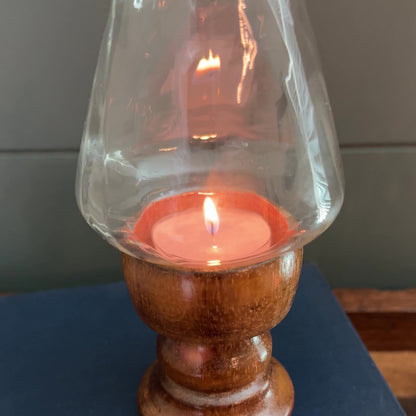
x=212, y=221
x=211, y=64
x=205, y=137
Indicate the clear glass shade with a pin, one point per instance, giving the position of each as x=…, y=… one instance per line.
x=209, y=139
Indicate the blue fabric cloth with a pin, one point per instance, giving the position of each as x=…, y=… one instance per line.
x=82, y=351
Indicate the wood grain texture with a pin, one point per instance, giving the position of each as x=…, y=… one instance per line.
x=214, y=347
x=376, y=301
x=385, y=320
x=386, y=331
x=399, y=370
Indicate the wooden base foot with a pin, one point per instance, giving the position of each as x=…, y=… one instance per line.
x=273, y=396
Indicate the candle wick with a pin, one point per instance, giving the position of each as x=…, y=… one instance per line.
x=212, y=229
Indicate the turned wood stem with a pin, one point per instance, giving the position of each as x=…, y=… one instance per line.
x=217, y=367
x=214, y=346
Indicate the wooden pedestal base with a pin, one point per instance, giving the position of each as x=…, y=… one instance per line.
x=273, y=396
x=214, y=348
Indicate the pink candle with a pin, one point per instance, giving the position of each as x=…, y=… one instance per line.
x=211, y=228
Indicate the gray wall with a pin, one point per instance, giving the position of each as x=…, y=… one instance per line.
x=48, y=51
x=368, y=53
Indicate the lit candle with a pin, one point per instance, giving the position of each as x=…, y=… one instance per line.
x=211, y=229
x=208, y=66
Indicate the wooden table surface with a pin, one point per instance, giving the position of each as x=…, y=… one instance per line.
x=386, y=321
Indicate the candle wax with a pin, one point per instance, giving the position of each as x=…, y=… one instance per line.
x=243, y=226
x=184, y=235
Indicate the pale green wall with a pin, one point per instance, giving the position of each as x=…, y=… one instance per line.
x=48, y=52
